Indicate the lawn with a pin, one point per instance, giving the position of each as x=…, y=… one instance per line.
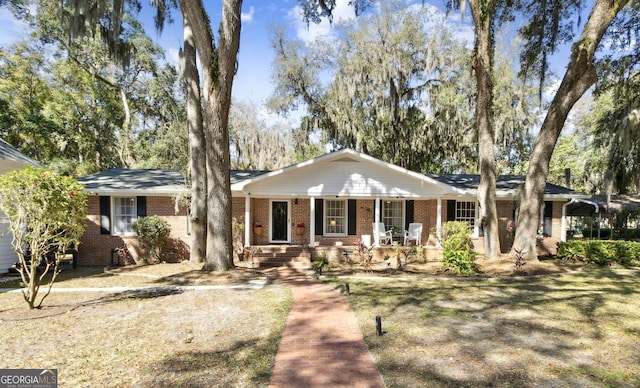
x=149, y=338
x=580, y=329
x=577, y=328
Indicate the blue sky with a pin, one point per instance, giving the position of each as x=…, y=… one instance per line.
x=253, y=80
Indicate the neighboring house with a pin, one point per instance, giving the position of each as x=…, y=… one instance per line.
x=10, y=159
x=328, y=201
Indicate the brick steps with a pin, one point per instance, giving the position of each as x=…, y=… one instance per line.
x=276, y=256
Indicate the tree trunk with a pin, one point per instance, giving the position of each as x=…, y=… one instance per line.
x=197, y=154
x=579, y=77
x=483, y=68
x=218, y=68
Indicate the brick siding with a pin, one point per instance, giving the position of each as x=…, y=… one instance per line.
x=97, y=249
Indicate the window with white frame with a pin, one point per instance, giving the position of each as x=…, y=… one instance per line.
x=466, y=211
x=393, y=215
x=335, y=217
x=124, y=213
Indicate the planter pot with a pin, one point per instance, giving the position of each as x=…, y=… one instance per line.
x=299, y=230
x=257, y=230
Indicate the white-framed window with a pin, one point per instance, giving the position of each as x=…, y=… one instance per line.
x=393, y=215
x=335, y=217
x=466, y=211
x=124, y=213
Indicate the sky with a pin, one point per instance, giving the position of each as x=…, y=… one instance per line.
x=253, y=81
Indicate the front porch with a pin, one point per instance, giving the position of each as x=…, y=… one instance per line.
x=302, y=256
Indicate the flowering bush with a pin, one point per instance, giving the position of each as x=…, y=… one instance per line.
x=47, y=214
x=511, y=229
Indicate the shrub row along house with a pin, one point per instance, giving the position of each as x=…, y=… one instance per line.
x=325, y=204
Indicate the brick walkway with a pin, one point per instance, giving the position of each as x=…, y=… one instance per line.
x=322, y=345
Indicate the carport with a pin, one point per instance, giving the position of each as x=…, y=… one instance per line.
x=597, y=206
x=579, y=207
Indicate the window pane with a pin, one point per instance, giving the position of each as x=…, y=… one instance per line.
x=335, y=219
x=124, y=213
x=466, y=211
x=393, y=215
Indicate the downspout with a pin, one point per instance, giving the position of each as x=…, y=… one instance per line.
x=247, y=221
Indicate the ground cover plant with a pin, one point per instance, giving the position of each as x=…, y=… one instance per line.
x=574, y=329
x=149, y=338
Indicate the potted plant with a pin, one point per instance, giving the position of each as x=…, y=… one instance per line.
x=257, y=228
x=300, y=228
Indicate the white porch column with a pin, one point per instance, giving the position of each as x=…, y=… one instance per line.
x=438, y=221
x=247, y=221
x=312, y=222
x=376, y=219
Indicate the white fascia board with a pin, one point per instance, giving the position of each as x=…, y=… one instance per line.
x=447, y=189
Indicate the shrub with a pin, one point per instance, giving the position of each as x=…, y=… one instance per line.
x=365, y=253
x=153, y=234
x=319, y=264
x=457, y=250
x=600, y=252
x=47, y=214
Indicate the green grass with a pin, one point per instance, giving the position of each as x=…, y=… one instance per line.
x=581, y=329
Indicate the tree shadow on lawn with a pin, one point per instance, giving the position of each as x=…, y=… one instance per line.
x=501, y=328
x=65, y=274
x=247, y=362
x=50, y=310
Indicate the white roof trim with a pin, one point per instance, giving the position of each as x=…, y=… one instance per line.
x=239, y=186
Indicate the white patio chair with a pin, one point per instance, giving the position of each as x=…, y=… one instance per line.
x=384, y=236
x=414, y=233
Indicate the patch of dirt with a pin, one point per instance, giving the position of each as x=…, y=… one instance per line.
x=187, y=273
x=502, y=266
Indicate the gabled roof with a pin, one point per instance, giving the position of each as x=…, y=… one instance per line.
x=345, y=173
x=122, y=181
x=506, y=185
x=341, y=173
x=10, y=153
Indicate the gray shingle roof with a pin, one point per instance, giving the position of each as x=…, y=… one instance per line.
x=135, y=180
x=9, y=152
x=504, y=182
x=240, y=175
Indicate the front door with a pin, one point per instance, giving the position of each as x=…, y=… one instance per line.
x=279, y=221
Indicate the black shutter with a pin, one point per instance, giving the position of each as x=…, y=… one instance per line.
x=142, y=206
x=105, y=215
x=548, y=209
x=351, y=221
x=319, y=214
x=451, y=210
x=408, y=214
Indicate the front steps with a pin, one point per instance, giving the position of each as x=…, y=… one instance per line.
x=278, y=255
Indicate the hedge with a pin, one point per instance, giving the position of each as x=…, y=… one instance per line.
x=600, y=252
x=605, y=233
